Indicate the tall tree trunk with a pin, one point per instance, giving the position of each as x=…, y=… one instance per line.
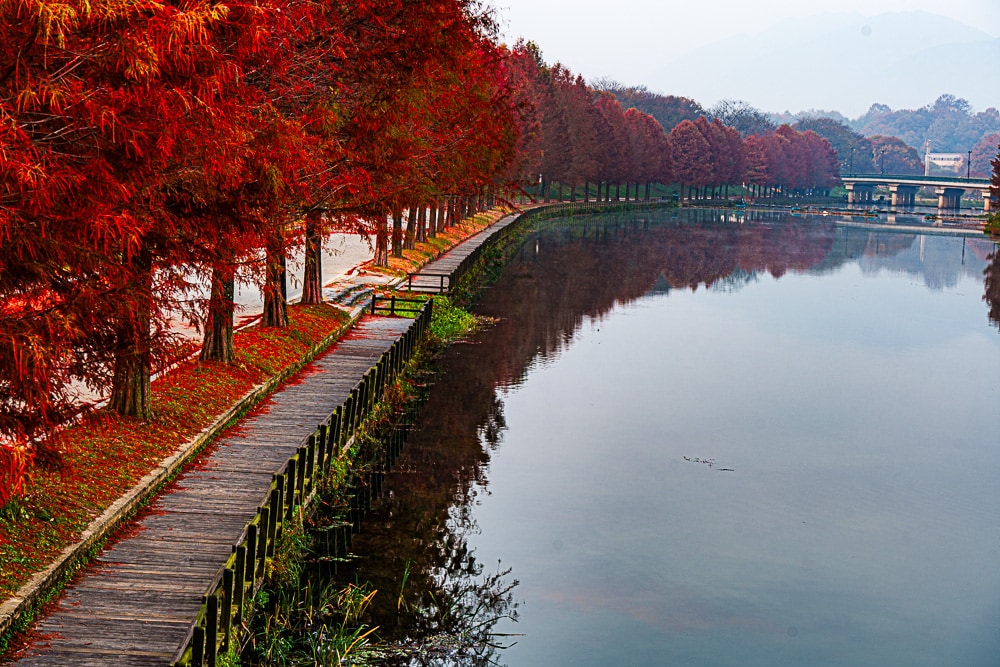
x=647, y=190
x=312, y=273
x=130, y=388
x=432, y=223
x=397, y=233
x=381, y=246
x=217, y=343
x=421, y=223
x=275, y=289
x=410, y=234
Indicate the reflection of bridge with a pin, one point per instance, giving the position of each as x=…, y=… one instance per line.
x=949, y=189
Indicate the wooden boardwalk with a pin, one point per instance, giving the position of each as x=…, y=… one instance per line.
x=135, y=604
x=442, y=273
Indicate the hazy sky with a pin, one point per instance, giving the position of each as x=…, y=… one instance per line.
x=630, y=40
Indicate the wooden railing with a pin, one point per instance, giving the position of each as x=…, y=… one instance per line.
x=444, y=281
x=395, y=305
x=225, y=601
x=448, y=280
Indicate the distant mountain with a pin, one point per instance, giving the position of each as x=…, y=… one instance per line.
x=845, y=62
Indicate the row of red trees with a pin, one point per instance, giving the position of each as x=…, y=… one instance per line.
x=148, y=147
x=578, y=137
x=582, y=137
x=144, y=145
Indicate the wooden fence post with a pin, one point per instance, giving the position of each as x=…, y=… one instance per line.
x=198, y=646
x=335, y=434
x=228, y=592
x=274, y=517
x=289, y=497
x=321, y=446
x=262, y=532
x=211, y=630
x=310, y=476
x=239, y=586
x=251, y=563
x=300, y=476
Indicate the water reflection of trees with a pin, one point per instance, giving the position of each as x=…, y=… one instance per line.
x=561, y=277
x=564, y=276
x=991, y=293
x=450, y=603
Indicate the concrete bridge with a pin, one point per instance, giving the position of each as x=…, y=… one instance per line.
x=949, y=189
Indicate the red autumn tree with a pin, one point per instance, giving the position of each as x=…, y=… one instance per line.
x=649, y=149
x=691, y=155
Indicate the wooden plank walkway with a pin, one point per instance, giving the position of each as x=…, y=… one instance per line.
x=135, y=604
x=441, y=274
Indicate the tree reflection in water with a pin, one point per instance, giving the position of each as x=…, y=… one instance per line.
x=435, y=597
x=991, y=294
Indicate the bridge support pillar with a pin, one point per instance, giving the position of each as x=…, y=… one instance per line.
x=859, y=193
x=903, y=195
x=949, y=197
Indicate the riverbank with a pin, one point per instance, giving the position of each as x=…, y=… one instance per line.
x=112, y=467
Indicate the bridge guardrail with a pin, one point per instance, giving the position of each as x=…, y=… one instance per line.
x=977, y=182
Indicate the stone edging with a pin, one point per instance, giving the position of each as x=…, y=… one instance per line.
x=47, y=581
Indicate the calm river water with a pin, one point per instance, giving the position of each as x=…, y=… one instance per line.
x=698, y=441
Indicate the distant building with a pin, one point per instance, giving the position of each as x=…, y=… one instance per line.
x=944, y=164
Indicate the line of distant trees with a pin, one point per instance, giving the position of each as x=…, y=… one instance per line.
x=880, y=140
x=607, y=136
x=948, y=125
